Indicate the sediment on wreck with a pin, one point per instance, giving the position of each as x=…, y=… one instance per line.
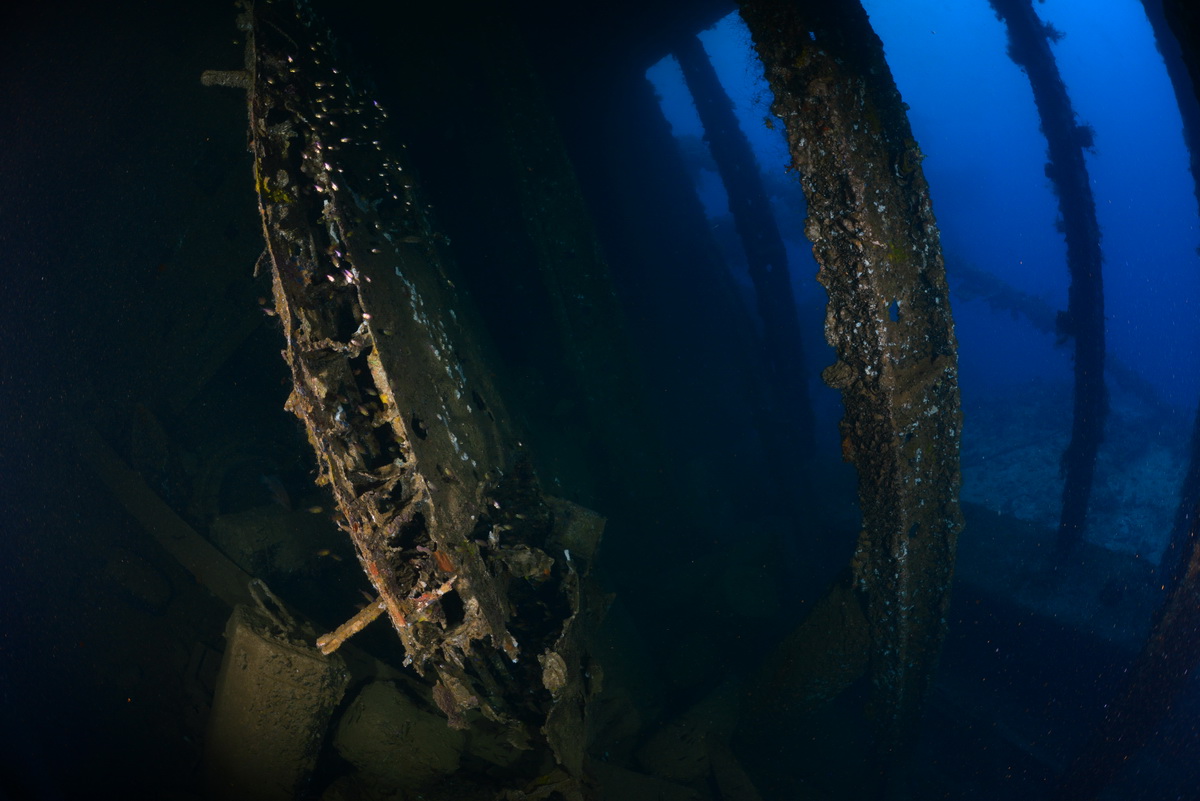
x=1029, y=48
x=874, y=236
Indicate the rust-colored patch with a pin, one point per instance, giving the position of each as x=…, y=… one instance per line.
x=444, y=562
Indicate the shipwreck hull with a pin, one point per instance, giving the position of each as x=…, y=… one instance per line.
x=478, y=572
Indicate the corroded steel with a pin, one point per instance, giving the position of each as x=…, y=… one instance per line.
x=1029, y=48
x=448, y=521
x=874, y=236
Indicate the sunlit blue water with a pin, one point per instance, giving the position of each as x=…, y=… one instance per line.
x=973, y=114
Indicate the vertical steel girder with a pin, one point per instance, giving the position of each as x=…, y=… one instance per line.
x=874, y=236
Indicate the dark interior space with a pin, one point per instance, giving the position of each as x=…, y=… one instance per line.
x=448, y=315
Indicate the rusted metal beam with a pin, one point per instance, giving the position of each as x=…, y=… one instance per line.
x=1029, y=47
x=476, y=569
x=876, y=241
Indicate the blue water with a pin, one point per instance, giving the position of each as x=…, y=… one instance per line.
x=972, y=112
x=129, y=233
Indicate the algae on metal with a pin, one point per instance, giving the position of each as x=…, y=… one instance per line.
x=476, y=568
x=1083, y=321
x=876, y=241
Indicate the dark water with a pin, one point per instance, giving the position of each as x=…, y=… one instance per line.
x=128, y=232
